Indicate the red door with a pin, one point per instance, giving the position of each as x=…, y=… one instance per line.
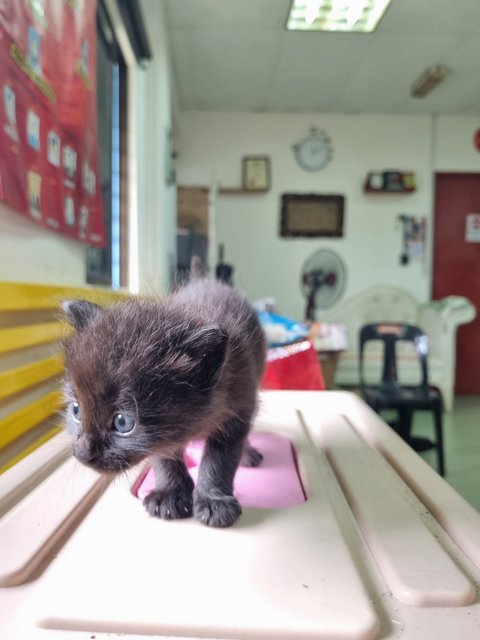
x=456, y=266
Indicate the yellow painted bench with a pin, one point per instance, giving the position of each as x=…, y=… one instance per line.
x=31, y=363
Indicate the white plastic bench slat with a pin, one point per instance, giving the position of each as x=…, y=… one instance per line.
x=33, y=527
x=417, y=570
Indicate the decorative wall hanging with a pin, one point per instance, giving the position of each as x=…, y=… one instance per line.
x=48, y=119
x=413, y=237
x=312, y=215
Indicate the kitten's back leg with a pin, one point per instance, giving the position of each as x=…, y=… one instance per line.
x=213, y=501
x=172, y=497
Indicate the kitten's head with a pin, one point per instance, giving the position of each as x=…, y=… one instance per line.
x=137, y=379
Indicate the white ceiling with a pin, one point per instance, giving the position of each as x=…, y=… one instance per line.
x=236, y=55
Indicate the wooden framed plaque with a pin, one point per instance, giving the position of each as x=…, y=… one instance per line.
x=311, y=215
x=256, y=173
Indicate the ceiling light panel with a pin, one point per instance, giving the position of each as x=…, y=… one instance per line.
x=336, y=15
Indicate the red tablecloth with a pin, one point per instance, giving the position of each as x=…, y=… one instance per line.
x=295, y=366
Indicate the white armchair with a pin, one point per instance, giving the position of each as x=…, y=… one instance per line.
x=439, y=320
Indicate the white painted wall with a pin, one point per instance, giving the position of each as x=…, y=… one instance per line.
x=29, y=253
x=454, y=146
x=212, y=146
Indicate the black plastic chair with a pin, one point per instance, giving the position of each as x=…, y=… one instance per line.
x=390, y=394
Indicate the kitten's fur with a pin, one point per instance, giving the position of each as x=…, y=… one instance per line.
x=184, y=368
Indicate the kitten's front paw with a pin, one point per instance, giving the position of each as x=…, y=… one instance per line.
x=169, y=505
x=216, y=509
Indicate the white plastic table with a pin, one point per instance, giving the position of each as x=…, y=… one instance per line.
x=382, y=547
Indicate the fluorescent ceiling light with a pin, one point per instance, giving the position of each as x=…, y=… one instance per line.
x=336, y=15
x=429, y=79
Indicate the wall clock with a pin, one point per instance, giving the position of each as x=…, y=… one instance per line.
x=314, y=152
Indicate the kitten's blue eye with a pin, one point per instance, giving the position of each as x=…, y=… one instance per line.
x=122, y=423
x=75, y=408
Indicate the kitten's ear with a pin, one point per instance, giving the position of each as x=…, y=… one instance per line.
x=208, y=346
x=80, y=313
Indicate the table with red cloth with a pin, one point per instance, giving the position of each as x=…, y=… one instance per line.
x=294, y=366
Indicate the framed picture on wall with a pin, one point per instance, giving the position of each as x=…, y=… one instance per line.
x=256, y=173
x=311, y=215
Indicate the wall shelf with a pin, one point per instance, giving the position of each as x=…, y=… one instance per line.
x=388, y=191
x=238, y=191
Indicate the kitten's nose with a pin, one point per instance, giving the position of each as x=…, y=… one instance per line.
x=83, y=449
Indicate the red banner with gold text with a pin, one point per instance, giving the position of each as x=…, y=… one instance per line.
x=48, y=115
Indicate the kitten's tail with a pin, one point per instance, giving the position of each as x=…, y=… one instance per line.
x=197, y=272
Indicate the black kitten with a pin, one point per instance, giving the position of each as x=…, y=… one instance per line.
x=144, y=377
